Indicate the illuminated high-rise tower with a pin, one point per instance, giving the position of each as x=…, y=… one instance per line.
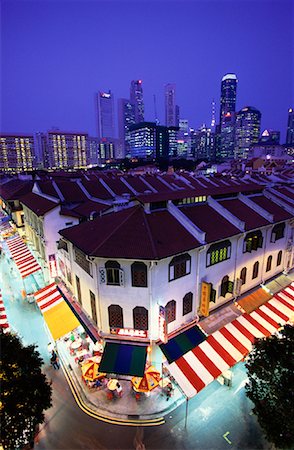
x=136, y=99
x=105, y=114
x=247, y=130
x=170, y=105
x=290, y=127
x=228, y=95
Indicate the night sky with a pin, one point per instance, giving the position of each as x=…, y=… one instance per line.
x=57, y=54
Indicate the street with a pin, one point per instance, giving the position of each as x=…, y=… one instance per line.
x=219, y=417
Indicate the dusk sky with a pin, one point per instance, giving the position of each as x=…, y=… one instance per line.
x=57, y=54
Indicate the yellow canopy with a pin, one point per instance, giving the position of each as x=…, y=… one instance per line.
x=60, y=320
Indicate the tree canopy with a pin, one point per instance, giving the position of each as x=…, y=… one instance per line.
x=270, y=368
x=25, y=392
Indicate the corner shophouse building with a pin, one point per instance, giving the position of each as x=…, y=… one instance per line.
x=123, y=266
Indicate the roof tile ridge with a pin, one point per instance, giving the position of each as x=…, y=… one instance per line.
x=150, y=236
x=115, y=229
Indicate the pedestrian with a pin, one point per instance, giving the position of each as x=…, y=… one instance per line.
x=119, y=390
x=54, y=360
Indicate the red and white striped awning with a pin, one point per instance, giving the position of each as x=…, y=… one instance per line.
x=227, y=346
x=48, y=297
x=3, y=317
x=23, y=258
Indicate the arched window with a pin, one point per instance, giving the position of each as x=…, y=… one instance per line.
x=224, y=286
x=187, y=303
x=140, y=316
x=252, y=241
x=279, y=258
x=113, y=273
x=255, y=270
x=115, y=316
x=278, y=232
x=179, y=266
x=139, y=274
x=243, y=275
x=269, y=263
x=170, y=311
x=218, y=252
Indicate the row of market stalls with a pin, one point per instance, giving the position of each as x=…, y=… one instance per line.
x=221, y=350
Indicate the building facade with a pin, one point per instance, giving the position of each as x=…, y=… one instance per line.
x=171, y=119
x=136, y=99
x=290, y=128
x=247, y=130
x=17, y=153
x=126, y=117
x=105, y=114
x=227, y=116
x=67, y=150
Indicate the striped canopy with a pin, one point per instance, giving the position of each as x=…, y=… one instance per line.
x=3, y=317
x=57, y=314
x=227, y=346
x=23, y=258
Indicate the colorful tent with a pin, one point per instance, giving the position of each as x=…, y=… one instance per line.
x=149, y=381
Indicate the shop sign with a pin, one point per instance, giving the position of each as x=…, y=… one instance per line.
x=129, y=332
x=52, y=266
x=205, y=298
x=162, y=325
x=62, y=267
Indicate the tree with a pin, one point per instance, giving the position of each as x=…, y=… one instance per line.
x=270, y=386
x=25, y=392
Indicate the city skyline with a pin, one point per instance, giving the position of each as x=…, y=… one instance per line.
x=51, y=81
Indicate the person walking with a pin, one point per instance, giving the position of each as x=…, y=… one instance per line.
x=54, y=360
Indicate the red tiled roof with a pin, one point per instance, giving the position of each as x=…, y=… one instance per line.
x=71, y=191
x=132, y=233
x=117, y=186
x=46, y=187
x=156, y=183
x=210, y=221
x=278, y=212
x=38, y=204
x=86, y=208
x=251, y=218
x=136, y=183
x=96, y=189
x=15, y=188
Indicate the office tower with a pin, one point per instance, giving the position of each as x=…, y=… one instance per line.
x=228, y=95
x=173, y=141
x=67, y=150
x=41, y=150
x=170, y=105
x=136, y=99
x=290, y=128
x=177, y=115
x=17, y=153
x=126, y=117
x=105, y=114
x=212, y=125
x=227, y=115
x=143, y=140
x=247, y=130
x=184, y=141
x=202, y=143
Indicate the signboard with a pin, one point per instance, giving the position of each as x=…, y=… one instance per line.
x=205, y=298
x=129, y=332
x=62, y=268
x=52, y=266
x=162, y=325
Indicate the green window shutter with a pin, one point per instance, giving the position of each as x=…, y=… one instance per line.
x=230, y=287
x=260, y=241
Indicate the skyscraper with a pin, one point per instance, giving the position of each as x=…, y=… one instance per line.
x=126, y=117
x=247, y=130
x=227, y=115
x=228, y=95
x=136, y=99
x=290, y=127
x=170, y=105
x=105, y=114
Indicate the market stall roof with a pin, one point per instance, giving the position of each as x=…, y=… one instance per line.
x=227, y=346
x=23, y=258
x=57, y=314
x=123, y=359
x=3, y=317
x=183, y=343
